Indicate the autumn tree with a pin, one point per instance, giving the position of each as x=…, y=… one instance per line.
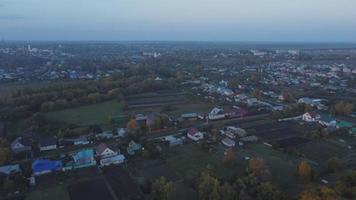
x=163, y=189
x=256, y=166
x=308, y=195
x=287, y=97
x=257, y=93
x=132, y=125
x=229, y=157
x=343, y=108
x=304, y=171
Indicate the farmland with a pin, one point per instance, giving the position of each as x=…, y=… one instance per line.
x=155, y=99
x=87, y=115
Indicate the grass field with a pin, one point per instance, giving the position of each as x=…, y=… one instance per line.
x=16, y=128
x=57, y=192
x=281, y=165
x=321, y=151
x=87, y=115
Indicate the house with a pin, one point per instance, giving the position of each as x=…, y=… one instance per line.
x=133, y=147
x=241, y=132
x=83, y=158
x=141, y=119
x=173, y=141
x=228, y=142
x=311, y=117
x=344, y=124
x=10, y=169
x=202, y=116
x=189, y=116
x=121, y=132
x=235, y=112
x=216, y=113
x=194, y=134
x=353, y=114
x=81, y=141
x=42, y=166
x=104, y=135
x=108, y=156
x=46, y=144
x=21, y=144
x=250, y=138
x=327, y=120
x=103, y=151
x=112, y=160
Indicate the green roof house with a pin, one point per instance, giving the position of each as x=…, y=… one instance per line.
x=344, y=124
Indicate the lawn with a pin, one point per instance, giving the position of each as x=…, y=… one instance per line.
x=87, y=115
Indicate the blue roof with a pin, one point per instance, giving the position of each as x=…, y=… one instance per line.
x=8, y=169
x=83, y=156
x=39, y=166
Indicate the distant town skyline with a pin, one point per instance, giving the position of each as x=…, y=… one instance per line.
x=183, y=20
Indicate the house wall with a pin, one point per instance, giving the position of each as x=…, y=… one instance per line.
x=47, y=148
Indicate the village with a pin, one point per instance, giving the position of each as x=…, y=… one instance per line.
x=118, y=131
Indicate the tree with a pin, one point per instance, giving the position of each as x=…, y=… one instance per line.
x=256, y=166
x=132, y=124
x=266, y=191
x=4, y=151
x=4, y=155
x=304, y=171
x=162, y=189
x=208, y=186
x=227, y=192
x=343, y=108
x=257, y=93
x=334, y=164
x=287, y=97
x=229, y=157
x=94, y=97
x=308, y=195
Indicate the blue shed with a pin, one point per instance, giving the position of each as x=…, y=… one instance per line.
x=45, y=166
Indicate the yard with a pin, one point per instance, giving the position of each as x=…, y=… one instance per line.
x=87, y=115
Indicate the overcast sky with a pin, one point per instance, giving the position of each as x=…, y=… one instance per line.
x=188, y=20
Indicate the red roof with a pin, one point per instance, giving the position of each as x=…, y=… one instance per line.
x=192, y=131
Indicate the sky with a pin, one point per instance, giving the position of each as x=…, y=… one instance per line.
x=179, y=20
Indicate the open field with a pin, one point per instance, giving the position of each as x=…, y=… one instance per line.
x=321, y=151
x=155, y=99
x=90, y=190
x=177, y=109
x=87, y=115
x=281, y=165
x=56, y=192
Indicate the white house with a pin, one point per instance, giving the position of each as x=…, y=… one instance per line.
x=103, y=151
x=311, y=117
x=108, y=156
x=113, y=160
x=195, y=135
x=228, y=142
x=121, y=132
x=216, y=113
x=46, y=144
